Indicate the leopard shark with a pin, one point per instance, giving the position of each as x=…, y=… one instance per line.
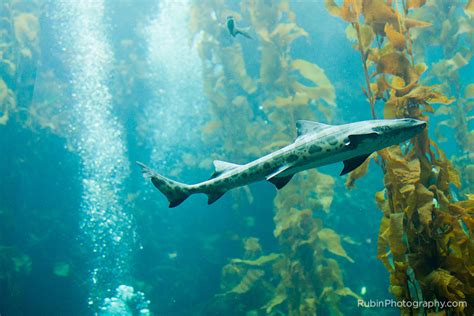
x=316, y=145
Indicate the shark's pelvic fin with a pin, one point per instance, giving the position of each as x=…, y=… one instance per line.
x=353, y=163
x=214, y=196
x=280, y=182
x=304, y=127
x=277, y=180
x=174, y=191
x=222, y=166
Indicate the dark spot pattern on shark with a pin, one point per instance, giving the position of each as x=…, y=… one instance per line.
x=292, y=158
x=314, y=149
x=332, y=140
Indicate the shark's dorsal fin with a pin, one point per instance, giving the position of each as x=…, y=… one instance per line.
x=305, y=127
x=222, y=166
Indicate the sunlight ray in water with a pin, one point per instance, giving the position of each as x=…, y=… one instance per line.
x=173, y=117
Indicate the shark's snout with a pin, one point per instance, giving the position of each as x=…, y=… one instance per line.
x=412, y=127
x=421, y=124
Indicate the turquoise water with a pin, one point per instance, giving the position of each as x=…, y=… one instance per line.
x=108, y=83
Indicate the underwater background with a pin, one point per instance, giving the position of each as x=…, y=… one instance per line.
x=89, y=87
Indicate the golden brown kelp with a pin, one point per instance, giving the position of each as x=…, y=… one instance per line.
x=452, y=32
x=233, y=93
x=425, y=238
x=283, y=93
x=300, y=277
x=19, y=49
x=296, y=281
x=30, y=95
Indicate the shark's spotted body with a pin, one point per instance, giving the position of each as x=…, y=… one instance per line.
x=316, y=145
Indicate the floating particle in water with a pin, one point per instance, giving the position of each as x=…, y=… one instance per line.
x=173, y=255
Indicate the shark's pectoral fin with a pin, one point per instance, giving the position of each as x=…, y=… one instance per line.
x=221, y=167
x=353, y=163
x=280, y=182
x=214, y=196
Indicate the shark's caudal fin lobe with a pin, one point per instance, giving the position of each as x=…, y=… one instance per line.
x=353, y=163
x=222, y=166
x=174, y=191
x=280, y=182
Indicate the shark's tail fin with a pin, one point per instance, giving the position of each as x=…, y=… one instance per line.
x=174, y=191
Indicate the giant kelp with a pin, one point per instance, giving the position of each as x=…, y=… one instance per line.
x=452, y=32
x=425, y=238
x=18, y=43
x=29, y=110
x=33, y=98
x=19, y=37
x=300, y=277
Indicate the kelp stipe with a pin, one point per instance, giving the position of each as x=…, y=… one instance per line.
x=425, y=238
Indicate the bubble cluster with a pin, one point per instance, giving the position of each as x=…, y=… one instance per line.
x=98, y=139
x=126, y=302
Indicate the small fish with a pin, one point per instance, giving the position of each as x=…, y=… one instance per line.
x=317, y=145
x=233, y=30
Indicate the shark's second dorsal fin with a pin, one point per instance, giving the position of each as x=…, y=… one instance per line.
x=304, y=127
x=222, y=166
